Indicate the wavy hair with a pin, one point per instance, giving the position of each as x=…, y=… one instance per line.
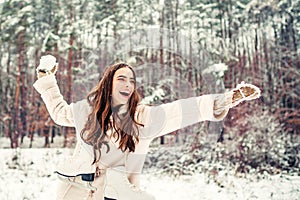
x=104, y=117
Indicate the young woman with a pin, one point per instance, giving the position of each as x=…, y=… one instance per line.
x=114, y=130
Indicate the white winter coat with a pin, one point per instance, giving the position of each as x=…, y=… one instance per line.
x=157, y=120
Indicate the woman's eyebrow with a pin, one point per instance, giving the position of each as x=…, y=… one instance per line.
x=123, y=76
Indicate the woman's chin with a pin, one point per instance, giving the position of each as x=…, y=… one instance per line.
x=120, y=107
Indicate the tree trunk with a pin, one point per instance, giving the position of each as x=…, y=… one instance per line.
x=17, y=126
x=23, y=95
x=70, y=57
x=161, y=54
x=69, y=68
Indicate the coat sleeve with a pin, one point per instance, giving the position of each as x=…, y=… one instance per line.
x=60, y=111
x=166, y=118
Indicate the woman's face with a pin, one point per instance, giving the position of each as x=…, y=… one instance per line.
x=123, y=86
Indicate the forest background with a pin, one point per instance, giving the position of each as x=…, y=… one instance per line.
x=180, y=48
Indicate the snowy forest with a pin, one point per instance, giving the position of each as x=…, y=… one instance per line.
x=179, y=48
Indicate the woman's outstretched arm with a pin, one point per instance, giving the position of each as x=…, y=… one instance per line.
x=169, y=117
x=166, y=118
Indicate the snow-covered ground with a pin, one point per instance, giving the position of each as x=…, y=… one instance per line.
x=27, y=174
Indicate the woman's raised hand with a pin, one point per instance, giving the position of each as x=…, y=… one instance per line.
x=242, y=92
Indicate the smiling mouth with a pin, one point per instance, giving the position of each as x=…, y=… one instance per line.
x=125, y=93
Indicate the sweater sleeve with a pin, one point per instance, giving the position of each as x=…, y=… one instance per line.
x=166, y=118
x=60, y=111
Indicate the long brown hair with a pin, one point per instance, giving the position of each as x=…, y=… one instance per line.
x=99, y=120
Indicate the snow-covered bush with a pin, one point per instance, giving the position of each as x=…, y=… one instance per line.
x=196, y=155
x=265, y=146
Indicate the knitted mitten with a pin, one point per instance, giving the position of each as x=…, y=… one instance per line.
x=244, y=92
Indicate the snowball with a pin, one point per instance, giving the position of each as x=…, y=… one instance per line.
x=47, y=62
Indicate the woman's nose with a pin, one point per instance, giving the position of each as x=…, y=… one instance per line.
x=127, y=83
